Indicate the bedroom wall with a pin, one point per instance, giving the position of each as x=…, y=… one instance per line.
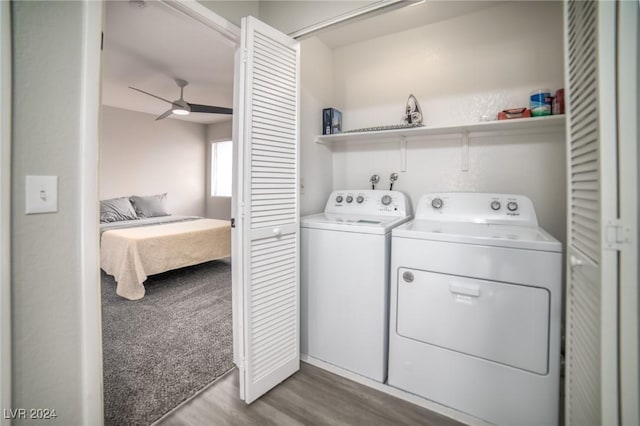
x=458, y=70
x=217, y=207
x=141, y=156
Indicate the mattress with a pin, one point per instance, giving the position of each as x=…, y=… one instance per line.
x=131, y=254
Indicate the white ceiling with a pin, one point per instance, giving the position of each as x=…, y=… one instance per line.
x=148, y=47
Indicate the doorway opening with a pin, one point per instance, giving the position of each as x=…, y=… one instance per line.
x=166, y=310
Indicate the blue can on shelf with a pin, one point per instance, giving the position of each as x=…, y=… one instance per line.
x=540, y=103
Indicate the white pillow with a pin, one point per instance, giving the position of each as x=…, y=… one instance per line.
x=150, y=205
x=116, y=209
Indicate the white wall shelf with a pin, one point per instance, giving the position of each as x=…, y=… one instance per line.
x=519, y=125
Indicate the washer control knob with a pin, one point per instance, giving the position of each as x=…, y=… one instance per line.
x=349, y=198
x=407, y=276
x=386, y=200
x=339, y=199
x=495, y=205
x=360, y=199
x=512, y=206
x=436, y=203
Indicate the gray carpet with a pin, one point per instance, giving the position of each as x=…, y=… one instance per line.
x=162, y=349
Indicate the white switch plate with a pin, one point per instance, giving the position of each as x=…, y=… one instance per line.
x=42, y=194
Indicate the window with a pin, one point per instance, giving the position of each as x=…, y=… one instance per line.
x=221, y=168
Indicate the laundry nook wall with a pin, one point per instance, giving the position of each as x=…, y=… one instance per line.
x=459, y=70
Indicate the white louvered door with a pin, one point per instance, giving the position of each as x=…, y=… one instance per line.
x=266, y=240
x=592, y=283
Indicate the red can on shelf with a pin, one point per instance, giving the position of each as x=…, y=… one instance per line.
x=557, y=107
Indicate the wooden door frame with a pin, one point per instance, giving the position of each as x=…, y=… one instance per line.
x=5, y=208
x=90, y=309
x=90, y=298
x=628, y=132
x=609, y=276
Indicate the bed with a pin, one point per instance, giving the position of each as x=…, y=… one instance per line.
x=137, y=245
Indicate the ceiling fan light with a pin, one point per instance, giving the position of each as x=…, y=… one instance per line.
x=179, y=111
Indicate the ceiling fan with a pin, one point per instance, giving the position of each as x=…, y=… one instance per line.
x=182, y=107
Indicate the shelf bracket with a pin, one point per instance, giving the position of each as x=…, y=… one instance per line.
x=465, y=151
x=403, y=154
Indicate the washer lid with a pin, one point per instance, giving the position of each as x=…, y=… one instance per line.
x=530, y=238
x=363, y=224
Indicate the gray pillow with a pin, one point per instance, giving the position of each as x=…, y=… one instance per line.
x=116, y=209
x=151, y=205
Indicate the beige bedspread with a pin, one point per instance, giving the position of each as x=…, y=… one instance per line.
x=130, y=255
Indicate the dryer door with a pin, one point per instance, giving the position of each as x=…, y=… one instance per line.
x=500, y=322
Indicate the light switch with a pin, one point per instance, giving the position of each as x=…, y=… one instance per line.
x=42, y=194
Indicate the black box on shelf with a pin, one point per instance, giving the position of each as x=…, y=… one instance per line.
x=331, y=121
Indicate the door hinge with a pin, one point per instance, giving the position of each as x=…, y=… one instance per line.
x=244, y=55
x=616, y=235
x=233, y=222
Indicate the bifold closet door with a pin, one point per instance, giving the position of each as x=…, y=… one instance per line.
x=592, y=278
x=266, y=236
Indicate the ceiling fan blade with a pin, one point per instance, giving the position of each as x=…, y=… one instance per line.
x=165, y=114
x=147, y=93
x=210, y=109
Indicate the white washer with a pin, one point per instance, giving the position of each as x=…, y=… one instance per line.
x=476, y=292
x=345, y=255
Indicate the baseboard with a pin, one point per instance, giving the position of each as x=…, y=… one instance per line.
x=400, y=394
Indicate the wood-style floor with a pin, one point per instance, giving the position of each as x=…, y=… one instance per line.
x=312, y=396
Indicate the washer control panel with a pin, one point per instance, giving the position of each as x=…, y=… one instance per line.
x=369, y=202
x=477, y=207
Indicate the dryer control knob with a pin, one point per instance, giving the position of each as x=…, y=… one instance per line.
x=386, y=200
x=349, y=198
x=495, y=205
x=512, y=206
x=360, y=199
x=436, y=203
x=407, y=276
x=339, y=199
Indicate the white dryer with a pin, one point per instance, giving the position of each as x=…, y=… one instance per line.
x=345, y=257
x=476, y=291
